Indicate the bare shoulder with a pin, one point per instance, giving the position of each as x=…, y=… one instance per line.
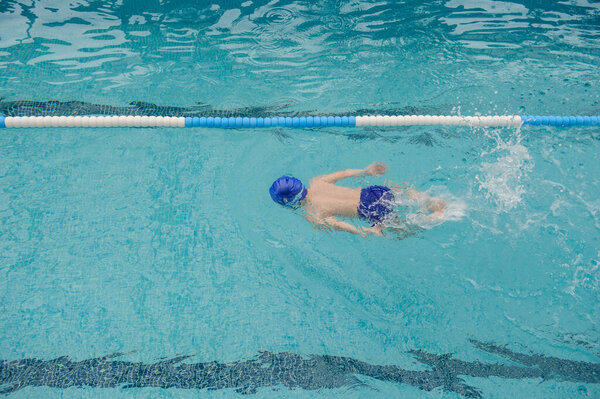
x=320, y=181
x=316, y=180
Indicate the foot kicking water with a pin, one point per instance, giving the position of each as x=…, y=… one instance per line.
x=324, y=201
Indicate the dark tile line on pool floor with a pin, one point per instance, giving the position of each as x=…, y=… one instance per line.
x=289, y=370
x=66, y=108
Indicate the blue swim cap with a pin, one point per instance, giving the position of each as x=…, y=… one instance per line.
x=287, y=191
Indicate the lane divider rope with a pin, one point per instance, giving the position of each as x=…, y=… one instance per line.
x=294, y=122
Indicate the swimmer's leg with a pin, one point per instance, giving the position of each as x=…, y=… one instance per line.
x=431, y=208
x=435, y=205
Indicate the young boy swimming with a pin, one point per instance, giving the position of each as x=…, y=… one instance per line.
x=324, y=201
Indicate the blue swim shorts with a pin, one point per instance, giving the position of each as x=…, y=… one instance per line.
x=376, y=202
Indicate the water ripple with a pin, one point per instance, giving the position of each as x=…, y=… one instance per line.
x=278, y=16
x=303, y=49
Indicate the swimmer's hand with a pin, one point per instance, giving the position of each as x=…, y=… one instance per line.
x=375, y=230
x=376, y=169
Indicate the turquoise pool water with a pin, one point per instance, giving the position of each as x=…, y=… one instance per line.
x=158, y=252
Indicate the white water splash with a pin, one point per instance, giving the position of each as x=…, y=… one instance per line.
x=502, y=179
x=412, y=216
x=456, y=208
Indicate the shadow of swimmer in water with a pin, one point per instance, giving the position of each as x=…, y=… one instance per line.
x=289, y=370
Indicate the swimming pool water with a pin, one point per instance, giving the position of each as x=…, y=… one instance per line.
x=161, y=249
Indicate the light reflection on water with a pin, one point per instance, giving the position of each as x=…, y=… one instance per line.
x=299, y=51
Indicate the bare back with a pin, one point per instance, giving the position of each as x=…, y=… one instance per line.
x=325, y=199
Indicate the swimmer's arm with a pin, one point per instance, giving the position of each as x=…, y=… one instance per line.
x=339, y=225
x=375, y=169
x=332, y=223
x=342, y=174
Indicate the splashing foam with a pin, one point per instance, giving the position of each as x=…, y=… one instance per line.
x=456, y=208
x=502, y=180
x=412, y=216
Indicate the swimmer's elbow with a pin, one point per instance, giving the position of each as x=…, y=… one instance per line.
x=330, y=221
x=324, y=179
x=315, y=219
x=339, y=175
